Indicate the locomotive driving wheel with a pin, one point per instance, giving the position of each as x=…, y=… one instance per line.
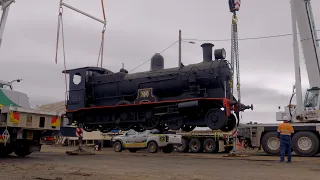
x=187, y=128
x=123, y=119
x=125, y=116
x=104, y=128
x=150, y=120
x=147, y=118
x=231, y=124
x=175, y=123
x=215, y=119
x=138, y=128
x=89, y=128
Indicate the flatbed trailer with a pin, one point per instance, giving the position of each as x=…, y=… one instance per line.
x=205, y=141
x=305, y=140
x=22, y=130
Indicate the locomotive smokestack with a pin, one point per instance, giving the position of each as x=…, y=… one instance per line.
x=207, y=52
x=157, y=62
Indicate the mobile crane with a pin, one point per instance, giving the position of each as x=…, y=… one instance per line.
x=304, y=116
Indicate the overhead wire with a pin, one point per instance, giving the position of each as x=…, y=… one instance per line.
x=249, y=38
x=150, y=58
x=189, y=40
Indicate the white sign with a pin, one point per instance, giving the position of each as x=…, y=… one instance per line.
x=5, y=136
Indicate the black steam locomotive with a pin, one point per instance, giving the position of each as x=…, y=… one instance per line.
x=182, y=97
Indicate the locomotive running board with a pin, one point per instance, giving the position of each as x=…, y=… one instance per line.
x=225, y=103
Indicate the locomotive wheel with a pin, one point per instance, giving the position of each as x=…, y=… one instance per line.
x=231, y=124
x=187, y=128
x=89, y=128
x=215, y=119
x=175, y=124
x=150, y=121
x=126, y=116
x=138, y=128
x=163, y=126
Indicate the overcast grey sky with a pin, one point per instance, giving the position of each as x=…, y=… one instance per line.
x=137, y=29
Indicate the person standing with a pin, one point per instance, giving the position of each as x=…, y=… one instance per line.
x=285, y=131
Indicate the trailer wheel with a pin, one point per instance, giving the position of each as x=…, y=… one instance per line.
x=271, y=143
x=195, y=145
x=210, y=146
x=305, y=143
x=184, y=147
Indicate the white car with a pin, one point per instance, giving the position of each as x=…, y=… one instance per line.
x=149, y=139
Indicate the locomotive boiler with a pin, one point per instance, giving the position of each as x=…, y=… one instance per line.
x=182, y=97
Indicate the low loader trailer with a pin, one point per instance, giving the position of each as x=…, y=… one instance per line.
x=206, y=141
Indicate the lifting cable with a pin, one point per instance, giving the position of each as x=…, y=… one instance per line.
x=234, y=6
x=102, y=37
x=60, y=25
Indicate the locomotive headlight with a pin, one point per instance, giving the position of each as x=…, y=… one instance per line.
x=220, y=53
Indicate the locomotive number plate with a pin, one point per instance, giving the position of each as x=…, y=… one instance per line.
x=144, y=93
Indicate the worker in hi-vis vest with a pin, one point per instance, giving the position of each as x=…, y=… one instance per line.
x=285, y=131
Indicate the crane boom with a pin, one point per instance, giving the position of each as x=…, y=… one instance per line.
x=302, y=18
x=4, y=4
x=308, y=39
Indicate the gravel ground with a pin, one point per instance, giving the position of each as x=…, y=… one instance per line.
x=53, y=164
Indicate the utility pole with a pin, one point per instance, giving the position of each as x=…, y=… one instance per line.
x=180, y=39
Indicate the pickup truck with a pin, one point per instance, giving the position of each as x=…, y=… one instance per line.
x=149, y=139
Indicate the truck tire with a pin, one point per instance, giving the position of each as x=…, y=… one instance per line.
x=153, y=147
x=195, y=145
x=210, y=146
x=271, y=143
x=117, y=146
x=305, y=143
x=184, y=147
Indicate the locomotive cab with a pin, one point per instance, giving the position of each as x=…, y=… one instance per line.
x=77, y=85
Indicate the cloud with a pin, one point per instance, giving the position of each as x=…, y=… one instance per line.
x=138, y=29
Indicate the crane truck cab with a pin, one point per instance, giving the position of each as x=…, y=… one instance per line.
x=152, y=140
